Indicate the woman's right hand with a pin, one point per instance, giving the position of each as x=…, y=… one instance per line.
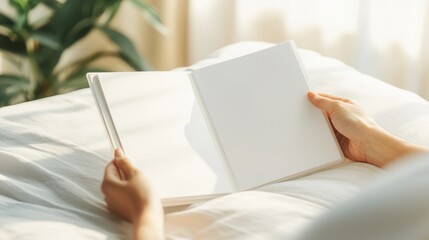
x=359, y=136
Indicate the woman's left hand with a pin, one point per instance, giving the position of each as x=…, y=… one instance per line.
x=129, y=194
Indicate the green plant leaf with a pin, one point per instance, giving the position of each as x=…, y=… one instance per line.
x=71, y=84
x=79, y=31
x=48, y=40
x=68, y=16
x=112, y=12
x=152, y=12
x=23, y=5
x=10, y=80
x=11, y=87
x=127, y=49
x=152, y=16
x=23, y=8
x=53, y=4
x=103, y=6
x=6, y=97
x=76, y=18
x=47, y=59
x=19, y=5
x=10, y=95
x=84, y=62
x=76, y=80
x=49, y=54
x=71, y=20
x=16, y=47
x=144, y=65
x=6, y=21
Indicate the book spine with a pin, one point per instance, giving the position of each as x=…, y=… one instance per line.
x=213, y=132
x=103, y=110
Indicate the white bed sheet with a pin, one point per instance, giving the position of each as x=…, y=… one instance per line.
x=53, y=152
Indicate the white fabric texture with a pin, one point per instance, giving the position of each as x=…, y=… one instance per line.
x=393, y=208
x=53, y=153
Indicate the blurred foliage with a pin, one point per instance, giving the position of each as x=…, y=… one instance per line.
x=35, y=47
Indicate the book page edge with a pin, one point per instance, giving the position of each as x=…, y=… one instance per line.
x=308, y=172
x=180, y=201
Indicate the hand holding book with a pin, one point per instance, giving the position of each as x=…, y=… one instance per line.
x=133, y=198
x=360, y=137
x=130, y=195
x=231, y=126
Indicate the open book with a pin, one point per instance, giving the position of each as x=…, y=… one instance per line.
x=231, y=126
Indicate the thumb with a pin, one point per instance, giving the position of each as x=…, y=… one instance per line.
x=122, y=162
x=324, y=103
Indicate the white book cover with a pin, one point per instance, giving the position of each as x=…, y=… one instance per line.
x=227, y=127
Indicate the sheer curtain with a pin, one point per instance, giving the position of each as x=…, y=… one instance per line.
x=383, y=38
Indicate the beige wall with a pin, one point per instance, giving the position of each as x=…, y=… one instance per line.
x=163, y=51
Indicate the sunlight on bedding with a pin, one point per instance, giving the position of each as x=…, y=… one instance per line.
x=44, y=152
x=47, y=230
x=60, y=197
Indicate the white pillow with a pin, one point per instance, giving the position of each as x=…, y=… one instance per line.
x=282, y=210
x=53, y=152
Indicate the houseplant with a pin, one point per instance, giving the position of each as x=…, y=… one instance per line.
x=36, y=47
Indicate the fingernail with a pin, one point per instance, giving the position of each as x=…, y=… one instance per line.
x=311, y=94
x=119, y=153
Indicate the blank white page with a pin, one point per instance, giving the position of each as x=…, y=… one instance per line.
x=162, y=130
x=266, y=127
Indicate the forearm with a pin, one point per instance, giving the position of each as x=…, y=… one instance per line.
x=149, y=225
x=383, y=148
x=148, y=231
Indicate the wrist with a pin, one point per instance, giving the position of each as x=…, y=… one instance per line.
x=149, y=224
x=148, y=230
x=383, y=148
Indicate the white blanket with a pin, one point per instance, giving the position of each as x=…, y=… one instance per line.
x=53, y=153
x=395, y=207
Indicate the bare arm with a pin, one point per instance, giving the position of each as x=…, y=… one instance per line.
x=394, y=207
x=129, y=194
x=360, y=137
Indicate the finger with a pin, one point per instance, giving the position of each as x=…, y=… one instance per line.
x=109, y=208
x=333, y=97
x=108, y=205
x=123, y=163
x=111, y=178
x=111, y=173
x=321, y=102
